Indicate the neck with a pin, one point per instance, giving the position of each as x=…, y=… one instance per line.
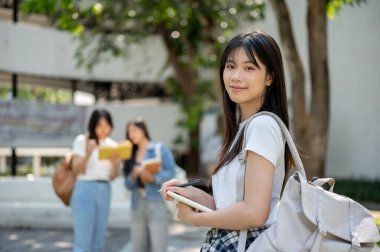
x=101, y=139
x=143, y=143
x=248, y=110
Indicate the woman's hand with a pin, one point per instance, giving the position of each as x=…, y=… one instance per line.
x=164, y=188
x=186, y=214
x=136, y=171
x=90, y=146
x=115, y=162
x=146, y=177
x=189, y=192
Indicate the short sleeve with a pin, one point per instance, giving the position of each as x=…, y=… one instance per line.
x=79, y=146
x=265, y=138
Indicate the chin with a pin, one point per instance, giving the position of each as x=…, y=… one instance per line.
x=236, y=99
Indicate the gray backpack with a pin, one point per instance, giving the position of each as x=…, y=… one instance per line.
x=313, y=219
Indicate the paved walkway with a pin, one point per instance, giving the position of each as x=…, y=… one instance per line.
x=183, y=238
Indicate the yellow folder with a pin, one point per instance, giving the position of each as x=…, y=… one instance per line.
x=123, y=151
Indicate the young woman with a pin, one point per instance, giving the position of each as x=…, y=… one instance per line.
x=252, y=80
x=150, y=217
x=90, y=200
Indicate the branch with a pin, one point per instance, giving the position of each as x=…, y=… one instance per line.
x=185, y=78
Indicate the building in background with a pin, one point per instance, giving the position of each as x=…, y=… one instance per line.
x=39, y=54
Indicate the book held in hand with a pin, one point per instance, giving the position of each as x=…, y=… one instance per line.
x=152, y=165
x=123, y=151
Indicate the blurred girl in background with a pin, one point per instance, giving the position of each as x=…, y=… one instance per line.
x=150, y=216
x=90, y=200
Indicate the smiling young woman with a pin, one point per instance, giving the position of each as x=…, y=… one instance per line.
x=252, y=80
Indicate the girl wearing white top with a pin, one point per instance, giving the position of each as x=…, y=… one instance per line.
x=90, y=200
x=252, y=80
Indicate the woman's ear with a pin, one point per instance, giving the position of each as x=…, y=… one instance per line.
x=269, y=79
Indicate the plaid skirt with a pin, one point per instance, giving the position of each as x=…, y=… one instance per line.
x=222, y=240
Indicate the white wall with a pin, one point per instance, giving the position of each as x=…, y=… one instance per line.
x=32, y=49
x=354, y=145
x=33, y=204
x=353, y=47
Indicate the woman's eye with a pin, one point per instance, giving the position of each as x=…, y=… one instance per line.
x=249, y=68
x=229, y=66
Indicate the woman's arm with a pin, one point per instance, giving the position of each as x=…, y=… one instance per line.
x=252, y=212
x=79, y=163
x=167, y=168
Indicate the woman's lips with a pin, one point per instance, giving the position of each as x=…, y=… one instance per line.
x=237, y=88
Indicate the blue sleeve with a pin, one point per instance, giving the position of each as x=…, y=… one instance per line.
x=168, y=166
x=129, y=183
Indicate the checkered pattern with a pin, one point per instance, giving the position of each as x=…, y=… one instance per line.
x=222, y=240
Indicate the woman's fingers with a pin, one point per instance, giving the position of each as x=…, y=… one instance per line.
x=184, y=212
x=164, y=189
x=177, y=190
x=187, y=192
x=91, y=145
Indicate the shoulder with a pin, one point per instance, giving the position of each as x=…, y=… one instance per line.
x=79, y=144
x=266, y=128
x=264, y=137
x=158, y=146
x=264, y=123
x=80, y=139
x=161, y=147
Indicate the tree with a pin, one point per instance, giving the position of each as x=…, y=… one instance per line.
x=41, y=94
x=193, y=33
x=311, y=127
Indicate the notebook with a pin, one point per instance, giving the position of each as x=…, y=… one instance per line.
x=189, y=202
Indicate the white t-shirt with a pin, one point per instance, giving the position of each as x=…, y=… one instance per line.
x=265, y=138
x=95, y=169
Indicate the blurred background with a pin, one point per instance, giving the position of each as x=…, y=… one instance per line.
x=60, y=59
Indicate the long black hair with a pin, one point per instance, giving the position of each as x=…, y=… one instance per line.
x=129, y=164
x=95, y=117
x=261, y=46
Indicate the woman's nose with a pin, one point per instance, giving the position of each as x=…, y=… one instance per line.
x=235, y=75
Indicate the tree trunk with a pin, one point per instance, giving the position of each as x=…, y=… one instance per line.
x=193, y=164
x=297, y=73
x=310, y=128
x=186, y=76
x=320, y=102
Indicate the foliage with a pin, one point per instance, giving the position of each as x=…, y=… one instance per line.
x=334, y=6
x=193, y=32
x=359, y=190
x=37, y=94
x=118, y=24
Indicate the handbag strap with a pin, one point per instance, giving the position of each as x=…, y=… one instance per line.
x=293, y=150
x=322, y=181
x=157, y=150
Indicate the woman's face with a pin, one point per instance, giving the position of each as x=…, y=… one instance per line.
x=244, y=81
x=136, y=135
x=103, y=129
